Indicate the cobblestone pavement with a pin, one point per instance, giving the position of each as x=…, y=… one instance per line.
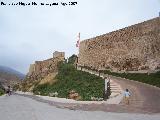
x=23, y=108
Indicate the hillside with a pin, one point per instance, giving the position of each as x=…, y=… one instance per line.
x=42, y=72
x=85, y=85
x=57, y=77
x=9, y=76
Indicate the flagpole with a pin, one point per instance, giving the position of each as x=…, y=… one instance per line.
x=77, y=45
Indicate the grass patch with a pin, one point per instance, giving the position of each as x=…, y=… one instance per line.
x=1, y=92
x=69, y=78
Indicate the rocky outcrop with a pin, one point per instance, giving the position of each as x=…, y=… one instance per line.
x=42, y=69
x=133, y=48
x=42, y=72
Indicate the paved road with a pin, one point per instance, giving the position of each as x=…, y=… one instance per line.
x=144, y=97
x=23, y=108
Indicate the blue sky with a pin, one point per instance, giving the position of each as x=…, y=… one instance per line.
x=33, y=33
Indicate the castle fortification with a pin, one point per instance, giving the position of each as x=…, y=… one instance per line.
x=133, y=48
x=41, y=69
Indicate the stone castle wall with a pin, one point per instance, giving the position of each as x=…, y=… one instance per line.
x=132, y=48
x=42, y=68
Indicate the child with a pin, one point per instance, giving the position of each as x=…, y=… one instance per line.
x=126, y=96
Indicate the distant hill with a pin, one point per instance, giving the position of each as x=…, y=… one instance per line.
x=11, y=71
x=9, y=76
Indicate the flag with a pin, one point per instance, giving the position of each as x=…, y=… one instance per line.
x=78, y=40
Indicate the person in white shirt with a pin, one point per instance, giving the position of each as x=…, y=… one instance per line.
x=127, y=96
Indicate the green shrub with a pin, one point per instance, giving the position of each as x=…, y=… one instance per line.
x=72, y=59
x=152, y=79
x=69, y=78
x=1, y=92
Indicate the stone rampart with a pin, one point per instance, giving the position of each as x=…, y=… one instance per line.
x=42, y=68
x=132, y=48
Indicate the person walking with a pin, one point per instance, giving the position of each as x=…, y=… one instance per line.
x=9, y=91
x=127, y=95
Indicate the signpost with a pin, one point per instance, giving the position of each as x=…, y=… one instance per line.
x=107, y=88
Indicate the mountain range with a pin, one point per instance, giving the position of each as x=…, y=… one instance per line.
x=9, y=76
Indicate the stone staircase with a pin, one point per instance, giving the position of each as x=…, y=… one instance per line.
x=115, y=87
